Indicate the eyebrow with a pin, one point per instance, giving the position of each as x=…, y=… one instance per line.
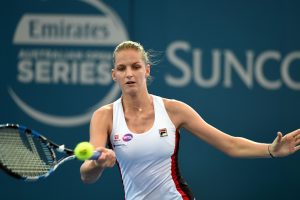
x=138, y=62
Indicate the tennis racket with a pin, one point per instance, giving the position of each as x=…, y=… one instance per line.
x=27, y=155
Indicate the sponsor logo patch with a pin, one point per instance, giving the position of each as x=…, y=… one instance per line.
x=127, y=137
x=116, y=138
x=163, y=132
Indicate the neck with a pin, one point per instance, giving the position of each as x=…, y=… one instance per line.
x=135, y=103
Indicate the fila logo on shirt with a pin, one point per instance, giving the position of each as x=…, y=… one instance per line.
x=163, y=132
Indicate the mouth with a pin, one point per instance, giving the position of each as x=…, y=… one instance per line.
x=130, y=82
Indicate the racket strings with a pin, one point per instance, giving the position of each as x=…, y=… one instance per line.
x=24, y=155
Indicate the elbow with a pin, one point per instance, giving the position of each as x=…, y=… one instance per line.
x=87, y=180
x=232, y=148
x=233, y=155
x=86, y=175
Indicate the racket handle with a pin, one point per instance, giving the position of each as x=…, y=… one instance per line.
x=96, y=155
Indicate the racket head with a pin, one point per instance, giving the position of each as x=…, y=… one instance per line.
x=24, y=153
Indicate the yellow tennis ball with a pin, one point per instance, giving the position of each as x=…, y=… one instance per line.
x=84, y=150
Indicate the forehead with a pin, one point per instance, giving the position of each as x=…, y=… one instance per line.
x=128, y=55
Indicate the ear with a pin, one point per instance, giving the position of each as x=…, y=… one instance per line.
x=148, y=70
x=113, y=75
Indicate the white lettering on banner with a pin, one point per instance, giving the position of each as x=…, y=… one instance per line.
x=259, y=72
x=213, y=81
x=54, y=29
x=180, y=64
x=61, y=28
x=291, y=57
x=233, y=64
x=252, y=71
x=64, y=72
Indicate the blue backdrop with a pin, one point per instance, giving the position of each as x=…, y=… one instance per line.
x=236, y=63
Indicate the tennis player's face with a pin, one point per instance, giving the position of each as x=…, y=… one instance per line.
x=130, y=70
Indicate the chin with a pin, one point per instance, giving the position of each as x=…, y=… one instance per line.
x=130, y=91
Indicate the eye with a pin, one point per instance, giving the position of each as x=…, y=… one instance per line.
x=136, y=66
x=120, y=67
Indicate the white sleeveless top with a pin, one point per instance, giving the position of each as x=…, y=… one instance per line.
x=148, y=161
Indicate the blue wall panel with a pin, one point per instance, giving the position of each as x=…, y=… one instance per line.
x=236, y=63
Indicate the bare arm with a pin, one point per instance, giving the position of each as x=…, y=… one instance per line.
x=184, y=116
x=100, y=127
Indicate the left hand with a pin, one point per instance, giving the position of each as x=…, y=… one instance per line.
x=285, y=145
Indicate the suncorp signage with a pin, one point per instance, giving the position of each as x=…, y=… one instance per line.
x=225, y=63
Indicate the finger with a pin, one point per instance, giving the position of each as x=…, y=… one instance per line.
x=103, y=157
x=278, y=139
x=111, y=158
x=296, y=148
x=113, y=153
x=297, y=141
x=109, y=154
x=296, y=133
x=112, y=162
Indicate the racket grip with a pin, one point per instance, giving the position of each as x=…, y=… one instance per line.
x=96, y=155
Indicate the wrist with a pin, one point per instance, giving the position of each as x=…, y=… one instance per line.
x=270, y=153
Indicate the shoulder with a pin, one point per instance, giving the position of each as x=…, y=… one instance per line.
x=100, y=125
x=178, y=111
x=103, y=115
x=104, y=110
x=174, y=106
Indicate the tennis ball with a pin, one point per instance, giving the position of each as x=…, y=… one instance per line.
x=84, y=150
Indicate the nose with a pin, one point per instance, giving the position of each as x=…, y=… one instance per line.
x=128, y=72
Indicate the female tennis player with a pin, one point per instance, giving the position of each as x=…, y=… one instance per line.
x=143, y=132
